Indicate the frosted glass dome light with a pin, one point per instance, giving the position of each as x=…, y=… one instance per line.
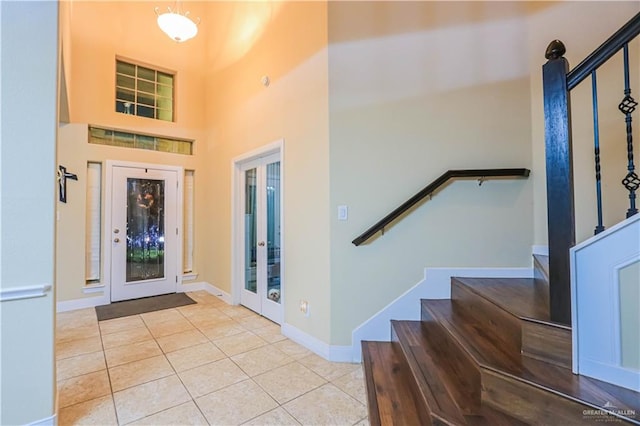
x=177, y=26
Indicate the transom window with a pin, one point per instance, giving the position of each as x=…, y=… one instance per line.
x=144, y=91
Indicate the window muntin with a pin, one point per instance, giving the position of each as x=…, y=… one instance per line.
x=102, y=136
x=143, y=91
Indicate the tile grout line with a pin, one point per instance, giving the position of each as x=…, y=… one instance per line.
x=252, y=320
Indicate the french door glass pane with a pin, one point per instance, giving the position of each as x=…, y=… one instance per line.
x=250, y=235
x=273, y=231
x=145, y=229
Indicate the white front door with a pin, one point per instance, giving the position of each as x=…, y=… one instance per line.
x=144, y=232
x=261, y=219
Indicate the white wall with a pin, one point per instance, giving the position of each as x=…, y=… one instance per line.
x=28, y=100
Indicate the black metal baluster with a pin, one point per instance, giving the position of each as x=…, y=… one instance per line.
x=596, y=143
x=627, y=106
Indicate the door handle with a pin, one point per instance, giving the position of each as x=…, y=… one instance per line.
x=115, y=231
x=261, y=243
x=116, y=240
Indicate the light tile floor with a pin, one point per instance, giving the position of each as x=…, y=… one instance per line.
x=208, y=363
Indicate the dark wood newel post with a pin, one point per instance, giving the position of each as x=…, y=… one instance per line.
x=559, y=170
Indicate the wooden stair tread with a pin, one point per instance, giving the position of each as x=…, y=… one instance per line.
x=432, y=373
x=391, y=400
x=489, y=353
x=440, y=373
x=486, y=349
x=517, y=296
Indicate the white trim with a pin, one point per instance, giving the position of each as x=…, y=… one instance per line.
x=615, y=374
x=186, y=288
x=263, y=151
x=49, y=421
x=540, y=250
x=436, y=284
x=211, y=289
x=317, y=346
x=24, y=292
x=606, y=233
x=237, y=245
x=590, y=355
x=95, y=288
x=108, y=191
x=189, y=276
x=91, y=302
x=87, y=302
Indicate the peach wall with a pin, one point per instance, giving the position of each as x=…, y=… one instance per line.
x=102, y=31
x=289, y=45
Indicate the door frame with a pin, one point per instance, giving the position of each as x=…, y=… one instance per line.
x=237, y=225
x=106, y=230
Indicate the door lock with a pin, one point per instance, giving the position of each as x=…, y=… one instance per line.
x=261, y=243
x=115, y=231
x=116, y=240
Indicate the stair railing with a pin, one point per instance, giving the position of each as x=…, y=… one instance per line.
x=480, y=174
x=558, y=82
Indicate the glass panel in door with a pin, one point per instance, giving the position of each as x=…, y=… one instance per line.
x=273, y=231
x=145, y=229
x=250, y=232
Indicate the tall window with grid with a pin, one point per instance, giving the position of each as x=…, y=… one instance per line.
x=144, y=91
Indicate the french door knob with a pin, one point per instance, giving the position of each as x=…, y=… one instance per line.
x=261, y=243
x=116, y=240
x=115, y=231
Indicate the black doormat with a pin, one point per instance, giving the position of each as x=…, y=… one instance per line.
x=141, y=306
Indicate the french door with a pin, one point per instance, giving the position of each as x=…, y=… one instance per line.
x=144, y=240
x=261, y=218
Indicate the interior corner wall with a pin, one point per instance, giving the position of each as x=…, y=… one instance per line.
x=416, y=89
x=28, y=105
x=285, y=41
x=582, y=27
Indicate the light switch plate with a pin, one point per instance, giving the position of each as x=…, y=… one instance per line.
x=343, y=212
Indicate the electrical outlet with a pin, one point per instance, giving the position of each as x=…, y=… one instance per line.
x=304, y=307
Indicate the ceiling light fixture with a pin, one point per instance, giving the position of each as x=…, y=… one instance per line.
x=179, y=27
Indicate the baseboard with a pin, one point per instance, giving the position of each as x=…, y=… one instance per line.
x=49, y=421
x=209, y=288
x=87, y=302
x=91, y=302
x=436, y=284
x=185, y=288
x=540, y=250
x=317, y=346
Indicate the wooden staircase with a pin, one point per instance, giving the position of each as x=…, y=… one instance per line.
x=488, y=356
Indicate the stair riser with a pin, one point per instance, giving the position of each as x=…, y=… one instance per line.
x=541, y=276
x=493, y=319
x=528, y=403
x=547, y=343
x=466, y=388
